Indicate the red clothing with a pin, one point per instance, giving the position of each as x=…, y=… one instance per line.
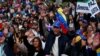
x=0, y=25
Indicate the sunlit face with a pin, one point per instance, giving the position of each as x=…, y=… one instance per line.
x=36, y=43
x=66, y=10
x=89, y=28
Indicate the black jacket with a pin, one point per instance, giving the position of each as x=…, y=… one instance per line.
x=78, y=50
x=50, y=41
x=8, y=48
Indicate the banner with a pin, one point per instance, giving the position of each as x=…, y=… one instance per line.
x=89, y=6
x=93, y=7
x=82, y=6
x=60, y=16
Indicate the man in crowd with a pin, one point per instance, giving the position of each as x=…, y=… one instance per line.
x=56, y=42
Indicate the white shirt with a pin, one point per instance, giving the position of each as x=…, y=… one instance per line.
x=55, y=49
x=35, y=53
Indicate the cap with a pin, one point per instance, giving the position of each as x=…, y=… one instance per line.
x=1, y=34
x=56, y=24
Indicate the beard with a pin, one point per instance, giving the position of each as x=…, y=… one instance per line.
x=57, y=33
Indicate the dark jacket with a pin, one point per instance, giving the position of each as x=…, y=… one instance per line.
x=50, y=41
x=8, y=48
x=78, y=50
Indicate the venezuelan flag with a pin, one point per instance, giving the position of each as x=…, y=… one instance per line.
x=98, y=50
x=62, y=19
x=80, y=33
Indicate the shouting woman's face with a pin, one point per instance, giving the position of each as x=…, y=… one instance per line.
x=89, y=29
x=36, y=43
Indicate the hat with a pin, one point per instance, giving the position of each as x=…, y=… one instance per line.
x=1, y=34
x=56, y=24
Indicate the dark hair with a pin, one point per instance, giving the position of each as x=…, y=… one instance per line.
x=40, y=43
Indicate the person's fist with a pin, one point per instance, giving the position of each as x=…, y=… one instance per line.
x=96, y=40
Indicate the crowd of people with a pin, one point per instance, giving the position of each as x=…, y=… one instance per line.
x=30, y=28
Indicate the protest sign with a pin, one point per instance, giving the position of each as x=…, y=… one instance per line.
x=82, y=6
x=89, y=6
x=93, y=7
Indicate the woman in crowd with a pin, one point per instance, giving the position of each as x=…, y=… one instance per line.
x=36, y=48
